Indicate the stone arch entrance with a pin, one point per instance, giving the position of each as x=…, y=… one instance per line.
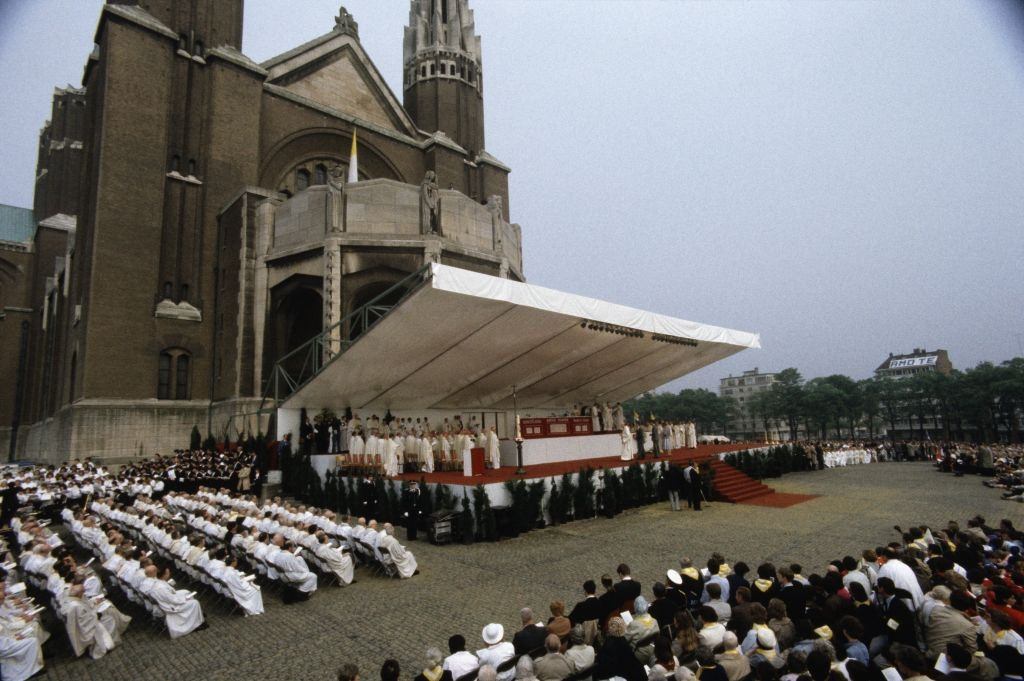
x=296, y=316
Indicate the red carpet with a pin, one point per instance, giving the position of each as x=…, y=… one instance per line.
x=730, y=484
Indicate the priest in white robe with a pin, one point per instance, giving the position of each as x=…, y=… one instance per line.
x=21, y=654
x=242, y=588
x=627, y=444
x=338, y=561
x=181, y=610
x=465, y=442
x=293, y=568
x=492, y=448
x=403, y=559
x=84, y=629
x=606, y=416
x=426, y=453
x=618, y=418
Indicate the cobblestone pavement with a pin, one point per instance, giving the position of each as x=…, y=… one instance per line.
x=462, y=588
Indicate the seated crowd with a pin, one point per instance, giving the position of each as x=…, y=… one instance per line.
x=226, y=545
x=939, y=604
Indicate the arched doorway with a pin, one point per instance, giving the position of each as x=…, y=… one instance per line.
x=297, y=316
x=367, y=294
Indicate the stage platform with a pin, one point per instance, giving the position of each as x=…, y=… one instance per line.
x=547, y=470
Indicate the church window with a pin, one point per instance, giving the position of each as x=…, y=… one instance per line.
x=192, y=167
x=301, y=179
x=176, y=163
x=433, y=69
x=163, y=391
x=199, y=48
x=174, y=375
x=321, y=173
x=181, y=379
x=423, y=71
x=184, y=292
x=444, y=11
x=168, y=290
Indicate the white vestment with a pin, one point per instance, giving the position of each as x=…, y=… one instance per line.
x=84, y=629
x=606, y=416
x=493, y=449
x=245, y=593
x=356, y=446
x=627, y=444
x=467, y=455
x=183, y=613
x=339, y=562
x=903, y=577
x=404, y=561
x=19, y=658
x=426, y=455
x=295, y=571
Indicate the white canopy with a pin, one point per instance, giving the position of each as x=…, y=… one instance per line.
x=463, y=339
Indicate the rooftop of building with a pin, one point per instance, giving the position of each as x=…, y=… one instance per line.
x=16, y=224
x=915, y=354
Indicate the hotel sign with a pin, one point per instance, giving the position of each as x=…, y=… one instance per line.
x=928, y=361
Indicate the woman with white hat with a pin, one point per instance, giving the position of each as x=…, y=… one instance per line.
x=497, y=651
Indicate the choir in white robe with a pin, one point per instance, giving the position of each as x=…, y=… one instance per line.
x=493, y=449
x=182, y=611
x=404, y=561
x=356, y=446
x=84, y=629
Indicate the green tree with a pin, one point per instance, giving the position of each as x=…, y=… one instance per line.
x=789, y=393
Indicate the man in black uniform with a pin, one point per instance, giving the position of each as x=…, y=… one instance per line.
x=411, y=505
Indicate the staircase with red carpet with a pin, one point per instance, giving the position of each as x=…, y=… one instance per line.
x=735, y=487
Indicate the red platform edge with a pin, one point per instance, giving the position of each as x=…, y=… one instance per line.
x=730, y=484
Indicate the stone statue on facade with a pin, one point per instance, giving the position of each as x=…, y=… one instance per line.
x=494, y=207
x=336, y=186
x=345, y=23
x=430, y=218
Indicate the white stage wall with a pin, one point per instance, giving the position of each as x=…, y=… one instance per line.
x=555, y=449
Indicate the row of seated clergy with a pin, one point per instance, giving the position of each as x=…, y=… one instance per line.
x=147, y=586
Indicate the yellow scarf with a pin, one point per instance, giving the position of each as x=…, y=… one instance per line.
x=763, y=584
x=433, y=674
x=690, y=572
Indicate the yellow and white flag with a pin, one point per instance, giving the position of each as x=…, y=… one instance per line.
x=353, y=161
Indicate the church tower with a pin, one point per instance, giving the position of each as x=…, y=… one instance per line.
x=443, y=75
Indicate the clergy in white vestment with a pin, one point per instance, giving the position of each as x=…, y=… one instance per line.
x=356, y=446
x=627, y=444
x=293, y=568
x=493, y=448
x=901, y=575
x=595, y=418
x=606, y=416
x=84, y=629
x=426, y=453
x=403, y=559
x=335, y=558
x=691, y=435
x=446, y=448
x=618, y=418
x=180, y=608
x=391, y=458
x=412, y=446
x=466, y=451
x=21, y=654
x=243, y=590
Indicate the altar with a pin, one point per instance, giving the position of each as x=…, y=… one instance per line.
x=561, y=448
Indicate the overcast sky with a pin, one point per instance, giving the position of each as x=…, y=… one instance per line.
x=846, y=179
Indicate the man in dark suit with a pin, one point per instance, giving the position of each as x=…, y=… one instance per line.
x=792, y=593
x=609, y=600
x=627, y=588
x=663, y=608
x=589, y=608
x=531, y=636
x=897, y=617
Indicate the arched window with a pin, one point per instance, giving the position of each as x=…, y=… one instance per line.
x=184, y=293
x=423, y=71
x=199, y=48
x=176, y=163
x=163, y=391
x=168, y=290
x=182, y=376
x=301, y=179
x=192, y=167
x=174, y=375
x=321, y=173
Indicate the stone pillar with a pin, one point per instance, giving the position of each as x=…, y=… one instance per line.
x=432, y=251
x=264, y=239
x=332, y=296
